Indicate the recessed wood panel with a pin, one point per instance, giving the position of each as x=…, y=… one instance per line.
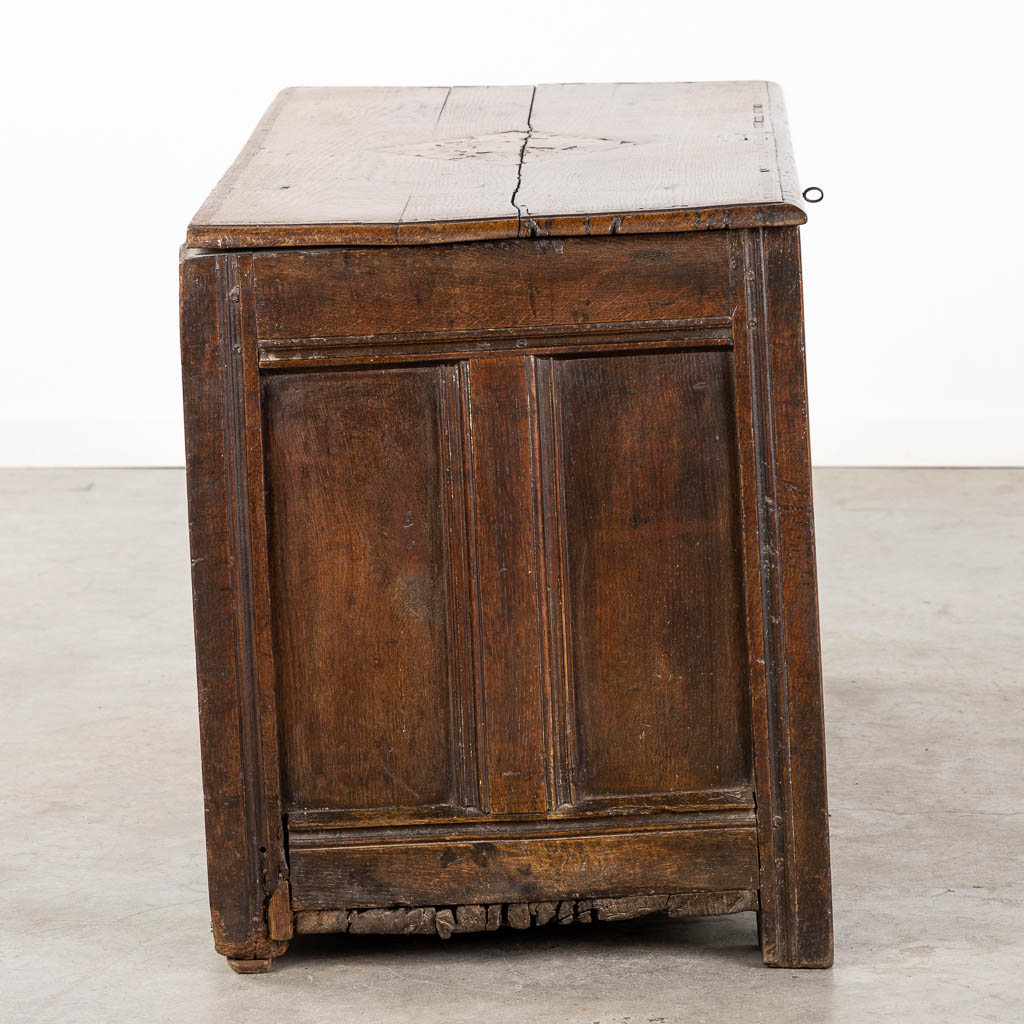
x=356, y=492
x=655, y=669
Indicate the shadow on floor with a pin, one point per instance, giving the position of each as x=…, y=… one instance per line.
x=732, y=939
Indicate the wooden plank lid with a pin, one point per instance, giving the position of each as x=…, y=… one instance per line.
x=410, y=166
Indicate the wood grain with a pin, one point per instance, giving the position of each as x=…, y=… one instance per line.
x=358, y=582
x=507, y=600
x=584, y=815
x=313, y=830
x=503, y=557
x=243, y=818
x=379, y=156
x=781, y=596
x=387, y=166
x=564, y=339
x=639, y=147
x=324, y=293
x=651, y=583
x=456, y=871
x=808, y=892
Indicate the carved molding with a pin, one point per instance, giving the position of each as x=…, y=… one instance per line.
x=357, y=350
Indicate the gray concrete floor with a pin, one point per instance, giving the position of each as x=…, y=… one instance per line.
x=102, y=872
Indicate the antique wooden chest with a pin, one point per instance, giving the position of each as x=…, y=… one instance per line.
x=501, y=524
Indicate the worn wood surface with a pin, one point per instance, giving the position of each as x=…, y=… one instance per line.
x=491, y=288
x=657, y=683
x=387, y=166
x=504, y=581
x=475, y=659
x=357, y=577
x=244, y=820
x=782, y=613
x=712, y=856
x=447, y=921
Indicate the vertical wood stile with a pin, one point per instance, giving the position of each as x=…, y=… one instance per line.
x=240, y=767
x=458, y=593
x=508, y=619
x=552, y=519
x=246, y=371
x=777, y=637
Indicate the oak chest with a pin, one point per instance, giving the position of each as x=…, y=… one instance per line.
x=501, y=524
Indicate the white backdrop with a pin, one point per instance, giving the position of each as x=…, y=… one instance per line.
x=120, y=117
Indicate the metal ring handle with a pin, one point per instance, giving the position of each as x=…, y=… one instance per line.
x=813, y=194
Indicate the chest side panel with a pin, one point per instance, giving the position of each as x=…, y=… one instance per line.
x=505, y=567
x=356, y=478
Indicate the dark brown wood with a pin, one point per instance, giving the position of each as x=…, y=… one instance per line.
x=558, y=339
x=500, y=870
x=672, y=538
x=796, y=901
x=358, y=456
x=244, y=821
x=499, y=416
x=417, y=166
x=586, y=815
x=503, y=552
x=348, y=294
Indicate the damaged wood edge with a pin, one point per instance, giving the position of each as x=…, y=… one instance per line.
x=446, y=921
x=280, y=925
x=526, y=225
x=256, y=958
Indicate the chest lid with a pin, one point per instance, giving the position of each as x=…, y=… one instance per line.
x=412, y=166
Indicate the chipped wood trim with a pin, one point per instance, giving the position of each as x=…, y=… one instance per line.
x=280, y=924
x=452, y=920
x=281, y=236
